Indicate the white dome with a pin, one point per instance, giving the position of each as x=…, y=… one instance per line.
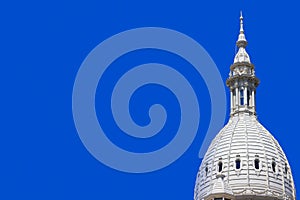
x=264, y=171
x=244, y=161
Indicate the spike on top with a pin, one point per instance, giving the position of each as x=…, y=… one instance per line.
x=241, y=23
x=242, y=42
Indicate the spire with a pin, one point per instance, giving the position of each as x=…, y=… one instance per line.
x=241, y=23
x=242, y=42
x=242, y=55
x=242, y=80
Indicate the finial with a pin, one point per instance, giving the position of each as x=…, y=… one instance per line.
x=241, y=23
x=242, y=42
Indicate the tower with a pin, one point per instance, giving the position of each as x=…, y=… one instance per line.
x=244, y=161
x=242, y=80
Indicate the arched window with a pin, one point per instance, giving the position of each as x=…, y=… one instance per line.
x=274, y=166
x=248, y=97
x=256, y=163
x=242, y=97
x=237, y=163
x=220, y=166
x=285, y=168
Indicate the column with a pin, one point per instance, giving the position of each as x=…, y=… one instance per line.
x=245, y=96
x=253, y=99
x=237, y=96
x=250, y=98
x=231, y=100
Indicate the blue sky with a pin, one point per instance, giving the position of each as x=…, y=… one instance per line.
x=42, y=47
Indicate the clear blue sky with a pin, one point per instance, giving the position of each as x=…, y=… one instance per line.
x=42, y=47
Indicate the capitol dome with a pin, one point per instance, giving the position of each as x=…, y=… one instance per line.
x=244, y=161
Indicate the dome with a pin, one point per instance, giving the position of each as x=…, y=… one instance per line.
x=244, y=161
x=249, y=160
